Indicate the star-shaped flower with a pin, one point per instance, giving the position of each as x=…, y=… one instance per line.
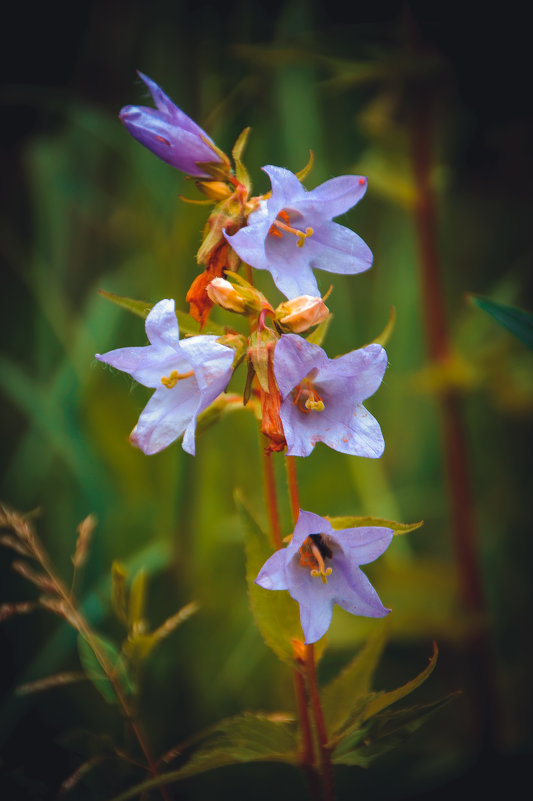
x=320, y=568
x=292, y=233
x=322, y=398
x=169, y=133
x=187, y=376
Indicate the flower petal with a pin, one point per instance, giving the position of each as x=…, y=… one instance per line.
x=165, y=104
x=337, y=249
x=363, y=369
x=363, y=544
x=354, y=592
x=146, y=364
x=294, y=358
x=272, y=575
x=336, y=196
x=167, y=415
x=162, y=325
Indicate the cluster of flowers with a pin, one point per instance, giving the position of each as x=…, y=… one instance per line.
x=303, y=397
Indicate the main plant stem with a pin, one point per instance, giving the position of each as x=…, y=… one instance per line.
x=326, y=770
x=454, y=439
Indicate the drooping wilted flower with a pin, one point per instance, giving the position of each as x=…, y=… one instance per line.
x=187, y=377
x=169, y=133
x=320, y=568
x=292, y=233
x=322, y=398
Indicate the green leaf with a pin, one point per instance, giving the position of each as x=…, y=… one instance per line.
x=317, y=336
x=518, y=321
x=119, y=574
x=246, y=738
x=187, y=324
x=137, y=602
x=93, y=661
x=385, y=335
x=344, y=693
x=275, y=612
x=385, y=699
x=355, y=522
x=386, y=731
x=139, y=307
x=241, y=173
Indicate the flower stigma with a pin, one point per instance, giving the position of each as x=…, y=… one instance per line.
x=170, y=381
x=281, y=223
x=313, y=554
x=307, y=399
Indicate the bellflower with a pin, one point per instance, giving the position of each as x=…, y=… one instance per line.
x=168, y=132
x=320, y=567
x=187, y=376
x=292, y=233
x=321, y=398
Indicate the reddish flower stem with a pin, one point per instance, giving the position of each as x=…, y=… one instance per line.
x=454, y=441
x=271, y=500
x=292, y=480
x=318, y=716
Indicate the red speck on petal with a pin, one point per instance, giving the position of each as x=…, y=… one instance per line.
x=362, y=181
x=162, y=139
x=345, y=439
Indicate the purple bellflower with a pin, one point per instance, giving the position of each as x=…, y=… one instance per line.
x=321, y=398
x=168, y=132
x=320, y=567
x=292, y=233
x=187, y=376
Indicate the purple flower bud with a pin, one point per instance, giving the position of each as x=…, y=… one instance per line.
x=320, y=568
x=187, y=377
x=292, y=233
x=169, y=133
x=321, y=398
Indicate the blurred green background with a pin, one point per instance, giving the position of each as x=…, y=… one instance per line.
x=86, y=207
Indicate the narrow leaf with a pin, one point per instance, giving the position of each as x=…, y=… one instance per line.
x=119, y=575
x=385, y=699
x=304, y=172
x=101, y=664
x=138, y=307
x=317, y=336
x=385, y=335
x=518, y=321
x=356, y=522
x=137, y=601
x=241, y=173
x=346, y=690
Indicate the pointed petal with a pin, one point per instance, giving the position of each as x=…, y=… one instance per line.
x=316, y=619
x=363, y=369
x=162, y=326
x=272, y=575
x=166, y=415
x=363, y=544
x=165, y=104
x=308, y=523
x=337, y=249
x=145, y=364
x=286, y=187
x=249, y=244
x=212, y=364
x=354, y=592
x=334, y=197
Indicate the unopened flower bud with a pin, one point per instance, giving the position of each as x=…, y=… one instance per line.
x=214, y=190
x=301, y=313
x=236, y=298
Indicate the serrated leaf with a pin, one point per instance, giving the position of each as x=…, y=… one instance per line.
x=345, y=692
x=139, y=307
x=351, y=521
x=317, y=336
x=518, y=321
x=246, y=738
x=275, y=612
x=385, y=699
x=94, y=670
x=384, y=732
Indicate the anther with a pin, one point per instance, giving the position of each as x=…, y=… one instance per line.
x=171, y=380
x=281, y=223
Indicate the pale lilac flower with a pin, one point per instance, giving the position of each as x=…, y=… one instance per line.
x=168, y=132
x=187, y=376
x=292, y=233
x=320, y=567
x=322, y=399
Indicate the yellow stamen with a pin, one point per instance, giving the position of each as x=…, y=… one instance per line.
x=171, y=380
x=278, y=226
x=321, y=571
x=314, y=405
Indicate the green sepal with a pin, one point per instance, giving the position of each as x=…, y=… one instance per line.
x=518, y=321
x=304, y=172
x=92, y=665
x=355, y=522
x=241, y=173
x=344, y=693
x=385, y=335
x=245, y=738
x=317, y=336
x=187, y=324
x=137, y=602
x=259, y=354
